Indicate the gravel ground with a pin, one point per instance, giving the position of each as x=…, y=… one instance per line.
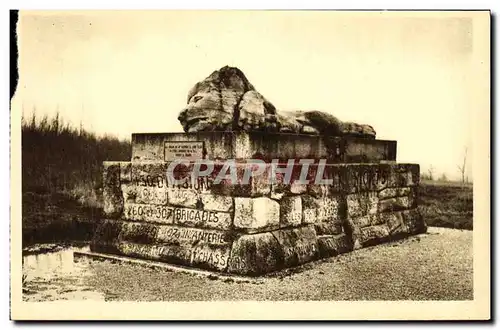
x=432, y=266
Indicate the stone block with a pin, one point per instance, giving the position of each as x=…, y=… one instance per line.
x=290, y=211
x=368, y=150
x=106, y=230
x=129, y=192
x=200, y=256
x=357, y=178
x=192, y=236
x=149, y=174
x=112, y=193
x=372, y=235
x=363, y=221
x=319, y=190
x=256, y=214
x=323, y=209
x=148, y=213
x=299, y=245
x=328, y=228
x=396, y=204
x=395, y=223
x=245, y=145
x=182, y=197
x=404, y=175
x=151, y=195
x=332, y=245
x=125, y=172
x=361, y=204
x=255, y=254
x=330, y=209
x=212, y=202
x=144, y=233
x=414, y=221
x=151, y=146
x=202, y=218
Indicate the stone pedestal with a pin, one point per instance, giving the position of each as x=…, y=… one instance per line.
x=262, y=226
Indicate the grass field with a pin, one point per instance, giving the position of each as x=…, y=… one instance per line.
x=62, y=179
x=446, y=204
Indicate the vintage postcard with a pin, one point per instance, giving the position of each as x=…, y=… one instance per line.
x=250, y=165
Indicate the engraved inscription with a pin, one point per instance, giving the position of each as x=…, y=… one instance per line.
x=178, y=215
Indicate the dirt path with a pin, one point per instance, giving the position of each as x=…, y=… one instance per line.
x=432, y=266
x=437, y=265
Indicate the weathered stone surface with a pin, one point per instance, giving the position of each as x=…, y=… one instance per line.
x=184, y=235
x=309, y=209
x=372, y=235
x=201, y=256
x=253, y=109
x=125, y=172
x=226, y=100
x=245, y=184
x=396, y=204
x=149, y=174
x=212, y=102
x=403, y=175
x=106, y=231
x=148, y=213
x=151, y=147
x=353, y=129
x=187, y=150
x=332, y=245
x=255, y=255
x=202, y=218
x=144, y=233
x=129, y=192
x=363, y=177
x=290, y=211
x=319, y=190
x=256, y=214
x=324, y=123
x=364, y=221
x=182, y=197
x=414, y=221
x=321, y=209
x=395, y=223
x=118, y=230
x=361, y=204
x=178, y=215
x=212, y=202
x=328, y=228
x=112, y=194
x=151, y=195
x=394, y=192
x=280, y=187
x=288, y=123
x=300, y=245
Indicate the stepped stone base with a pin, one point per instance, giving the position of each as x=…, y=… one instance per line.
x=256, y=228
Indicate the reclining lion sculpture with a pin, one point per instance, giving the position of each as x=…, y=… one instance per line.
x=226, y=101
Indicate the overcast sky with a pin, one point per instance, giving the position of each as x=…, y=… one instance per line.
x=411, y=78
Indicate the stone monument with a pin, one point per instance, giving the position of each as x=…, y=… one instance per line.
x=302, y=185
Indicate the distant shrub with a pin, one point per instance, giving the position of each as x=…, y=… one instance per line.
x=58, y=157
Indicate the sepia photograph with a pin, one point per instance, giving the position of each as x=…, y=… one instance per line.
x=223, y=164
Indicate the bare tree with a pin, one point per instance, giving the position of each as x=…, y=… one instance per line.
x=462, y=167
x=443, y=177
